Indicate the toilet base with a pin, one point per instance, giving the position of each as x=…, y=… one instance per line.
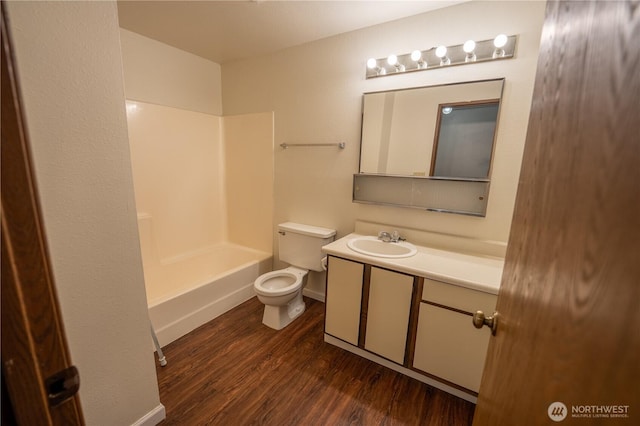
x=278, y=317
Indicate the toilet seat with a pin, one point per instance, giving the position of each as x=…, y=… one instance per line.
x=280, y=282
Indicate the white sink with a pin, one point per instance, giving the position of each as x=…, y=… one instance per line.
x=372, y=246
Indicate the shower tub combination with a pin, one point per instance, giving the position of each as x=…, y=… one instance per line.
x=189, y=290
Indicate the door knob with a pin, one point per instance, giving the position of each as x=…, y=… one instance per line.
x=479, y=319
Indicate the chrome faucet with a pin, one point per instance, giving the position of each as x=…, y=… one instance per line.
x=384, y=236
x=393, y=237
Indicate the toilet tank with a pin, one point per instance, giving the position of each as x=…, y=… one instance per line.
x=301, y=245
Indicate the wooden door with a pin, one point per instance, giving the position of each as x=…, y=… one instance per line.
x=569, y=329
x=34, y=347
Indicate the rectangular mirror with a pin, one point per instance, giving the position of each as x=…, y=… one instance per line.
x=429, y=147
x=444, y=131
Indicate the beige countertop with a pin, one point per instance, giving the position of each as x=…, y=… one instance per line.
x=473, y=272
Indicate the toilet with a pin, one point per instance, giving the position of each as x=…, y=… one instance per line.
x=281, y=291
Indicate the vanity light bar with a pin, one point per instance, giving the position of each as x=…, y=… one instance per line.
x=501, y=47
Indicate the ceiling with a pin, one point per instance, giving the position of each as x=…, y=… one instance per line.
x=226, y=31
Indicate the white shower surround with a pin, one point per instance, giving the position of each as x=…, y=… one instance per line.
x=203, y=187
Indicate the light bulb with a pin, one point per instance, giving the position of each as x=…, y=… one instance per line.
x=372, y=64
x=500, y=41
x=393, y=61
x=447, y=110
x=469, y=46
x=441, y=52
x=416, y=56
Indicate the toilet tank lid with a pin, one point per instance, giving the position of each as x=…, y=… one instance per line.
x=314, y=231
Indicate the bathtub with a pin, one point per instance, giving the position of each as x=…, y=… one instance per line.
x=189, y=290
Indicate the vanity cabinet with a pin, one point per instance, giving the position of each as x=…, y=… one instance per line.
x=416, y=325
x=369, y=307
x=387, y=315
x=447, y=345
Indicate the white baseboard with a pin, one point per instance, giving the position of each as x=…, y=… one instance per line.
x=316, y=295
x=153, y=417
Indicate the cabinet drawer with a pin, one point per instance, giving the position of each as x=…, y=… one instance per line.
x=457, y=297
x=449, y=347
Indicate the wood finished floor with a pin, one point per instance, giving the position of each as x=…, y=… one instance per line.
x=236, y=371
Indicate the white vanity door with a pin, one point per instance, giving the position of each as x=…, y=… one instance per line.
x=447, y=344
x=388, y=313
x=344, y=298
x=449, y=347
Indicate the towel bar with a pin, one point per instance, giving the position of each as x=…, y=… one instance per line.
x=340, y=145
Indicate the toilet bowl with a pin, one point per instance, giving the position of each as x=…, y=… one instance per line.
x=281, y=293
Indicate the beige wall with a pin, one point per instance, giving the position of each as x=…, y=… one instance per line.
x=70, y=70
x=248, y=142
x=160, y=74
x=178, y=172
x=315, y=91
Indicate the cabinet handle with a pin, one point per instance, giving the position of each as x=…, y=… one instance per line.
x=479, y=319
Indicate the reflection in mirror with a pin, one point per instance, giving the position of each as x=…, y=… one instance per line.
x=399, y=127
x=464, y=139
x=429, y=147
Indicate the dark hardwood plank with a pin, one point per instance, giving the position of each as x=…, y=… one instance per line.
x=236, y=371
